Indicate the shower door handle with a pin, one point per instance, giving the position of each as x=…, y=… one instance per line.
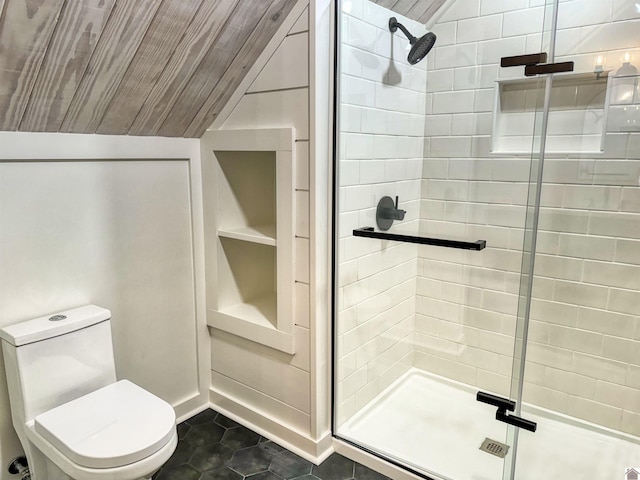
x=503, y=405
x=496, y=401
x=516, y=421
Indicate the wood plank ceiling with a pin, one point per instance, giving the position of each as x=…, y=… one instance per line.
x=137, y=67
x=419, y=10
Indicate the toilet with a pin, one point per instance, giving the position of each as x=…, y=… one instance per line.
x=75, y=420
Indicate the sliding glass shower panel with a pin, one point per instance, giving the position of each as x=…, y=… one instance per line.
x=582, y=371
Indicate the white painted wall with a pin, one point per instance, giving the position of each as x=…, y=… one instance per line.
x=264, y=388
x=115, y=221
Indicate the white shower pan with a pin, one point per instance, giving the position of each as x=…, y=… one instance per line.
x=436, y=426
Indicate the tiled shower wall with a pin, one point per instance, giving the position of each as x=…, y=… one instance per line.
x=583, y=357
x=381, y=150
x=467, y=300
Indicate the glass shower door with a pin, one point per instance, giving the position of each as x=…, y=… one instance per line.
x=581, y=377
x=419, y=328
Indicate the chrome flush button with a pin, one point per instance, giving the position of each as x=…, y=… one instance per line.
x=57, y=318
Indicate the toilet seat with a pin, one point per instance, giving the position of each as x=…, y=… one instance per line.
x=114, y=426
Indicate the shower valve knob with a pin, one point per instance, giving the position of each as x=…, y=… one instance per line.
x=395, y=213
x=387, y=212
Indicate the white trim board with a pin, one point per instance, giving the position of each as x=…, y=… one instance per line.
x=71, y=146
x=321, y=74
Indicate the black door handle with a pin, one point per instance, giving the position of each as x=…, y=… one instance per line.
x=516, y=421
x=503, y=405
x=496, y=401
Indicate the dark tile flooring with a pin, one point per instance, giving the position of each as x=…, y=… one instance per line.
x=211, y=446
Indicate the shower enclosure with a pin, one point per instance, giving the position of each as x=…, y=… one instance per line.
x=487, y=313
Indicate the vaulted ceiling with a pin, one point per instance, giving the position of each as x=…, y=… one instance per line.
x=419, y=10
x=137, y=67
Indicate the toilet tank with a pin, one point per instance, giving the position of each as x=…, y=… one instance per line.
x=57, y=358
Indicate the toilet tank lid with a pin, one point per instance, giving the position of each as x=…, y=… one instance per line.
x=53, y=325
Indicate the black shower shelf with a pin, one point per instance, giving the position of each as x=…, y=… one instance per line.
x=369, y=232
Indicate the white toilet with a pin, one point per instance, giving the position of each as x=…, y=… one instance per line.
x=75, y=421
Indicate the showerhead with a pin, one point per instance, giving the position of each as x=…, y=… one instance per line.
x=419, y=46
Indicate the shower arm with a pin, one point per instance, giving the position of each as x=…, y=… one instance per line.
x=394, y=25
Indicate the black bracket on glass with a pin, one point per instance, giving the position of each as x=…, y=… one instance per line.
x=519, y=60
x=369, y=232
x=503, y=405
x=534, y=64
x=531, y=70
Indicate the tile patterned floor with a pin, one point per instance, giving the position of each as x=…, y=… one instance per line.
x=213, y=447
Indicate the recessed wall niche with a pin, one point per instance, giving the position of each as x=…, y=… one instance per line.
x=577, y=114
x=249, y=234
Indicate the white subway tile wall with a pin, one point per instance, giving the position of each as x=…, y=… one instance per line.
x=383, y=100
x=454, y=312
x=585, y=328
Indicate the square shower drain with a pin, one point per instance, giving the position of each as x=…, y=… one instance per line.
x=494, y=447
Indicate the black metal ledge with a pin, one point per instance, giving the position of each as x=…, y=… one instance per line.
x=369, y=232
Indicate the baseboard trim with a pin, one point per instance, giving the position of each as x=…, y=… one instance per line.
x=189, y=407
x=292, y=439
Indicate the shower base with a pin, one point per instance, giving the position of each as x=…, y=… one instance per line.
x=436, y=426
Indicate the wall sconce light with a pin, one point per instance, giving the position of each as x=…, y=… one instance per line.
x=598, y=68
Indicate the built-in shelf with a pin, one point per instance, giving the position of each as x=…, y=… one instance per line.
x=264, y=234
x=260, y=311
x=577, y=113
x=370, y=232
x=248, y=205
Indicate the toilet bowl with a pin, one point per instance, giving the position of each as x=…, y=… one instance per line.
x=74, y=420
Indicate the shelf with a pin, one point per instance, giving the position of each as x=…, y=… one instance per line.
x=261, y=311
x=253, y=320
x=369, y=232
x=264, y=234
